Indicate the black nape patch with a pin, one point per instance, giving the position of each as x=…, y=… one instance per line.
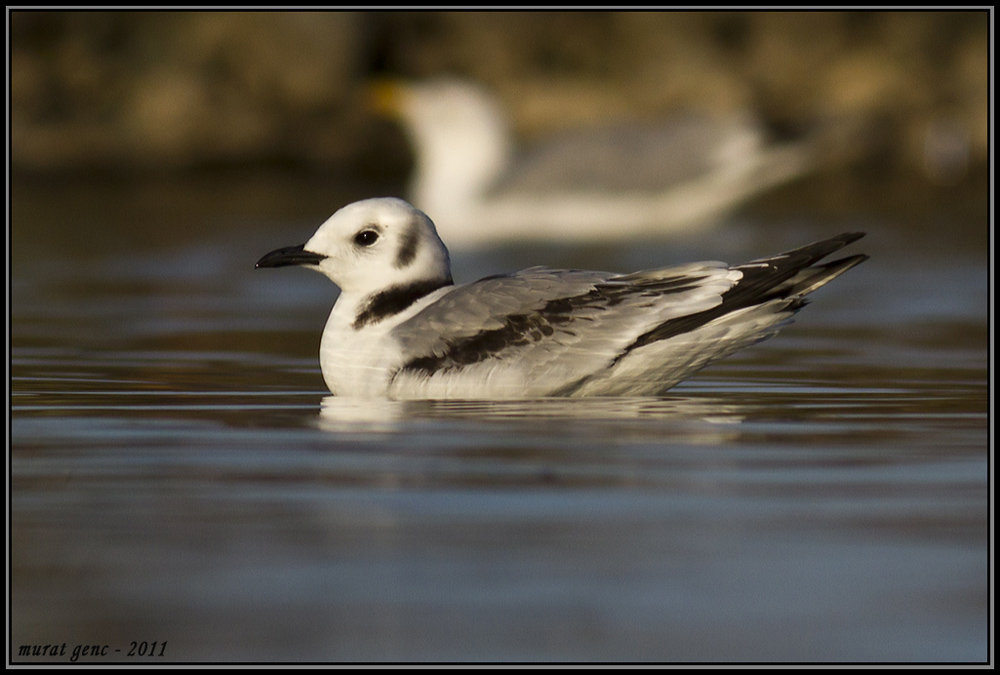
x=394, y=300
x=407, y=248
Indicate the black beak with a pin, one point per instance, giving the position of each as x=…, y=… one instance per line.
x=291, y=255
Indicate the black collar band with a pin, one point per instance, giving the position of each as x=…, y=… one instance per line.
x=394, y=300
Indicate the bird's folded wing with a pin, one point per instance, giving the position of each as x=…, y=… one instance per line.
x=559, y=321
x=632, y=158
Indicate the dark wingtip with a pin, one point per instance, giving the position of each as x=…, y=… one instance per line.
x=851, y=237
x=821, y=249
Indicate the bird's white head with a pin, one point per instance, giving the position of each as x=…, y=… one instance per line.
x=370, y=246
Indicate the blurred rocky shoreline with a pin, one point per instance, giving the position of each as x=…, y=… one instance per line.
x=144, y=92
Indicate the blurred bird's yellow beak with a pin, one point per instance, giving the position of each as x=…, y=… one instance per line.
x=385, y=97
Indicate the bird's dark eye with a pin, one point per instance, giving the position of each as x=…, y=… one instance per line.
x=366, y=237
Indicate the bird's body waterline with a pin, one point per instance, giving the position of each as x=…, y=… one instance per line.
x=402, y=329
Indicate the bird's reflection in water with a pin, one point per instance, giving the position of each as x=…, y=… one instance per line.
x=712, y=415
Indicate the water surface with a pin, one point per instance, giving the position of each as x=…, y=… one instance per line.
x=180, y=476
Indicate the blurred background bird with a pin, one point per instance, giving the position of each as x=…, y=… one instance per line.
x=591, y=184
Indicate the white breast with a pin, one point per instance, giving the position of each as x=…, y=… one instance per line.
x=360, y=361
x=356, y=362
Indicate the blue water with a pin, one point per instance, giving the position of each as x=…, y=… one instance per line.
x=180, y=476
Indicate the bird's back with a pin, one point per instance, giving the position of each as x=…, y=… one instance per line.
x=547, y=332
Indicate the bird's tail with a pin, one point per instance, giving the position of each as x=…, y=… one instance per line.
x=811, y=278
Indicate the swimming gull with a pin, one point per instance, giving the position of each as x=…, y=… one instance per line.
x=402, y=329
x=589, y=185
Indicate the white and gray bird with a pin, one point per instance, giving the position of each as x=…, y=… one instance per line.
x=649, y=179
x=402, y=329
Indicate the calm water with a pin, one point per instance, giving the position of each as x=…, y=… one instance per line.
x=179, y=476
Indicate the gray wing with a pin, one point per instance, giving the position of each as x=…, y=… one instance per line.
x=642, y=157
x=554, y=326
